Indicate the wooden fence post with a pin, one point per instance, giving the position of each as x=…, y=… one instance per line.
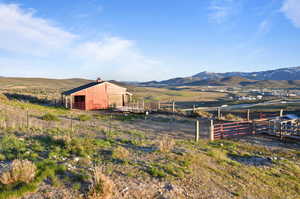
x=194, y=108
x=66, y=102
x=212, y=137
x=71, y=102
x=158, y=105
x=281, y=113
x=143, y=104
x=248, y=114
x=253, y=128
x=269, y=128
x=197, y=131
x=281, y=133
x=173, y=106
x=222, y=131
x=110, y=125
x=219, y=113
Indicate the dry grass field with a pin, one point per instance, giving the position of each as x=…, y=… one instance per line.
x=164, y=94
x=101, y=154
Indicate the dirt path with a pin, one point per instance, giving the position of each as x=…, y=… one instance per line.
x=175, y=126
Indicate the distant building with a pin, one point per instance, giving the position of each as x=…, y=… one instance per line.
x=96, y=95
x=259, y=97
x=241, y=98
x=268, y=94
x=291, y=95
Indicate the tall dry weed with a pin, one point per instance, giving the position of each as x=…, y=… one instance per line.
x=166, y=144
x=101, y=187
x=18, y=171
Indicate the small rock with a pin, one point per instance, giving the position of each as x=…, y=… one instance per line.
x=76, y=159
x=169, y=187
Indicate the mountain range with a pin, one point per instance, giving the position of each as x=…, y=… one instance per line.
x=281, y=78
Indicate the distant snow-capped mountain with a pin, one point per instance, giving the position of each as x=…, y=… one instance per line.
x=285, y=77
x=292, y=73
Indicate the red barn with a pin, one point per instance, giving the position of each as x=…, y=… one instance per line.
x=96, y=95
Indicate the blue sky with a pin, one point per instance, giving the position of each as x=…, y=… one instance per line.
x=145, y=40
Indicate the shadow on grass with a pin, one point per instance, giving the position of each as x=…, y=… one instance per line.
x=29, y=98
x=251, y=160
x=32, y=99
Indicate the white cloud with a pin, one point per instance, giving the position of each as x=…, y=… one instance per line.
x=32, y=40
x=291, y=9
x=221, y=10
x=119, y=56
x=20, y=31
x=105, y=50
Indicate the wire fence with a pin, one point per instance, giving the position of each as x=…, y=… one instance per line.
x=102, y=123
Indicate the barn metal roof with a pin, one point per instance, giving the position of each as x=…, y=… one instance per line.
x=74, y=90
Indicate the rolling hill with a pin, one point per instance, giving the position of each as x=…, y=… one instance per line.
x=279, y=78
x=292, y=73
x=18, y=82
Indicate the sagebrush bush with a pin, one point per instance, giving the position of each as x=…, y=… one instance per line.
x=81, y=146
x=156, y=172
x=166, y=144
x=201, y=113
x=18, y=171
x=11, y=146
x=101, y=186
x=50, y=117
x=3, y=117
x=2, y=157
x=3, y=97
x=84, y=117
x=232, y=117
x=120, y=153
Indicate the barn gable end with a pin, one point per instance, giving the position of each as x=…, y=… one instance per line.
x=96, y=95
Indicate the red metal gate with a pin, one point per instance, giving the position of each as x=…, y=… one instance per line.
x=230, y=129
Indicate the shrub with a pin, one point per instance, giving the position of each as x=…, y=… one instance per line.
x=3, y=97
x=81, y=146
x=101, y=186
x=84, y=117
x=2, y=157
x=50, y=117
x=19, y=171
x=203, y=114
x=120, y=153
x=11, y=146
x=166, y=144
x=232, y=117
x=174, y=170
x=156, y=172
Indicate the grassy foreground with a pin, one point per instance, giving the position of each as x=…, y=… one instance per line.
x=131, y=163
x=228, y=168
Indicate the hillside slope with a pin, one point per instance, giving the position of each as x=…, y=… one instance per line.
x=9, y=82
